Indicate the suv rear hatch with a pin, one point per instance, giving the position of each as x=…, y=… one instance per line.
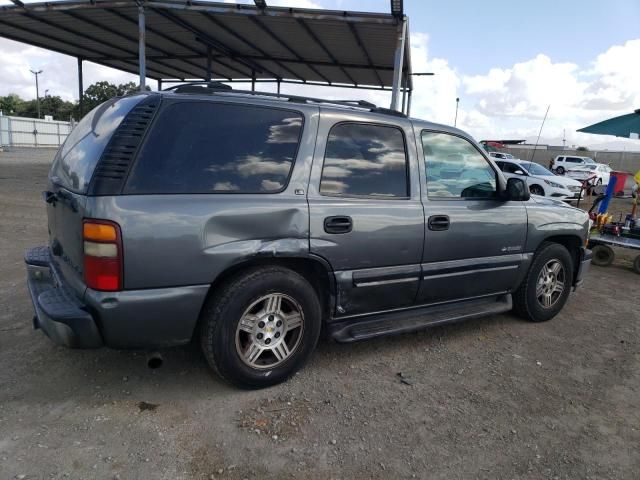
x=70, y=182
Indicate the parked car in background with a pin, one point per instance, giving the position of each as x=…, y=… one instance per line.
x=562, y=163
x=598, y=172
x=252, y=223
x=540, y=180
x=504, y=156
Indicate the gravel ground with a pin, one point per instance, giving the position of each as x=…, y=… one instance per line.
x=495, y=398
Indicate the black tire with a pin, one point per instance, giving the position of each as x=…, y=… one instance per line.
x=599, y=182
x=536, y=190
x=603, y=255
x=525, y=300
x=560, y=170
x=636, y=264
x=223, y=311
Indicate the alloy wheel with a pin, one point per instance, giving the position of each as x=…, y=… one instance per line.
x=550, y=284
x=269, y=331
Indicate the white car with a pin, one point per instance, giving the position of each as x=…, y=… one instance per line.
x=598, y=171
x=562, y=163
x=541, y=181
x=503, y=156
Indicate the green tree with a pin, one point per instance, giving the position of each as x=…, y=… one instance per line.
x=582, y=149
x=11, y=104
x=100, y=92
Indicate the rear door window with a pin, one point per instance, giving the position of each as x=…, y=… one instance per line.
x=76, y=160
x=365, y=160
x=207, y=147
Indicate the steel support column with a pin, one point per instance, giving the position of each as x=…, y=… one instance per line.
x=398, y=64
x=80, y=89
x=208, y=79
x=159, y=84
x=409, y=102
x=142, y=63
x=279, y=86
x=253, y=81
x=404, y=93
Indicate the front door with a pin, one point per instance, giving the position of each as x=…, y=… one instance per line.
x=366, y=217
x=474, y=241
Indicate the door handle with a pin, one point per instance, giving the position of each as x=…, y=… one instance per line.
x=438, y=223
x=338, y=224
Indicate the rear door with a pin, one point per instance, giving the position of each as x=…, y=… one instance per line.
x=474, y=241
x=366, y=218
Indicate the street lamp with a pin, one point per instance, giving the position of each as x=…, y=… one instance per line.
x=37, y=91
x=455, y=122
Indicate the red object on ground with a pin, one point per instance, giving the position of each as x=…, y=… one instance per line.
x=621, y=180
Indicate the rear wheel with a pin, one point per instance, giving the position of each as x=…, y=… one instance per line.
x=261, y=327
x=560, y=170
x=603, y=255
x=546, y=287
x=536, y=190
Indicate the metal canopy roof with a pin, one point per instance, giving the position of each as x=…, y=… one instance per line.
x=185, y=39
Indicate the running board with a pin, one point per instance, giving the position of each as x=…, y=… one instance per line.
x=391, y=323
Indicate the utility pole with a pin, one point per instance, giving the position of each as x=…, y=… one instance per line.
x=37, y=90
x=564, y=138
x=455, y=122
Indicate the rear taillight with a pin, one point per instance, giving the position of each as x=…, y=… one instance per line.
x=102, y=255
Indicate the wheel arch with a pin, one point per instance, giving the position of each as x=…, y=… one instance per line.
x=573, y=243
x=316, y=270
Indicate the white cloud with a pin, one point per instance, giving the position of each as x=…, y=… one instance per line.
x=511, y=102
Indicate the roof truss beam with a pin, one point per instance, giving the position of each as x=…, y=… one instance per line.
x=158, y=74
x=196, y=54
x=252, y=45
x=207, y=40
x=316, y=39
x=90, y=21
x=270, y=32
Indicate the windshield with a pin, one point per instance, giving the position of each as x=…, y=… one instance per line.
x=508, y=155
x=535, y=169
x=588, y=160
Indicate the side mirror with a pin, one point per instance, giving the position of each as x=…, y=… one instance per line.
x=517, y=190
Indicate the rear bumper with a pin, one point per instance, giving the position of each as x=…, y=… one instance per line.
x=583, y=266
x=58, y=312
x=153, y=318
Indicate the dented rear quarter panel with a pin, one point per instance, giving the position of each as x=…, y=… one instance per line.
x=177, y=240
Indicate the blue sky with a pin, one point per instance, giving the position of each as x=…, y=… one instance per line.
x=506, y=60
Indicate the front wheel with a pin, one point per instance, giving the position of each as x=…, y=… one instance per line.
x=536, y=190
x=546, y=287
x=560, y=170
x=261, y=327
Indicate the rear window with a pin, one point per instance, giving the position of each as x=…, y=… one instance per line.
x=206, y=147
x=77, y=158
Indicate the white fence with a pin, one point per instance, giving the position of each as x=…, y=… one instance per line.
x=32, y=132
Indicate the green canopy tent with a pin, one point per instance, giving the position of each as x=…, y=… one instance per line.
x=627, y=126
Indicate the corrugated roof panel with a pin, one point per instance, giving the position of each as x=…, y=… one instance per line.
x=296, y=44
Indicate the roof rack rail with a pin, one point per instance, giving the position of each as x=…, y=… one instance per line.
x=185, y=86
x=219, y=87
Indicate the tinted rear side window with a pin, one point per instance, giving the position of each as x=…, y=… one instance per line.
x=206, y=147
x=76, y=160
x=365, y=160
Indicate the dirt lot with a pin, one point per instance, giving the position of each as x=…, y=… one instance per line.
x=496, y=398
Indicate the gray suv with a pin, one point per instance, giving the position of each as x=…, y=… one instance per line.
x=251, y=222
